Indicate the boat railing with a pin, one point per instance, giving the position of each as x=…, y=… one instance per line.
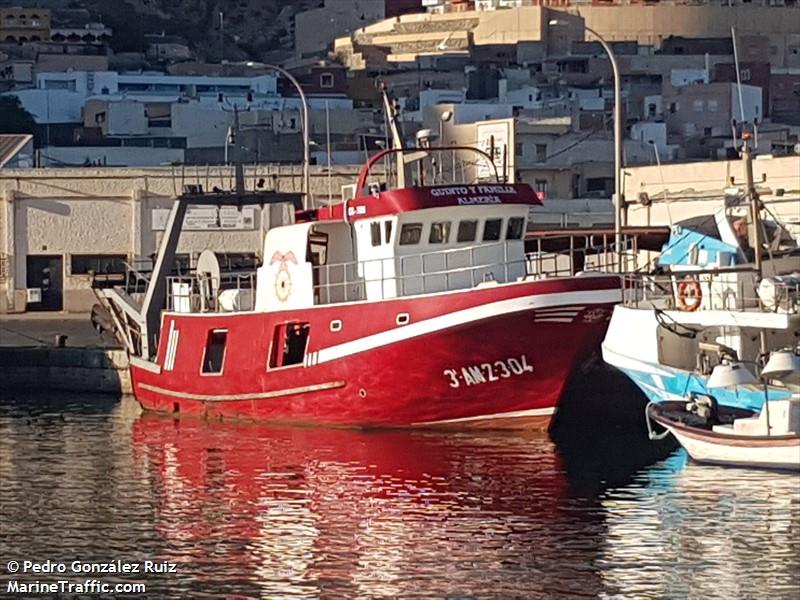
x=457, y=268
x=201, y=293
x=452, y=269
x=734, y=289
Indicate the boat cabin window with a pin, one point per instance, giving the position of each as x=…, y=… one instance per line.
x=214, y=354
x=375, y=233
x=467, y=231
x=514, y=229
x=410, y=234
x=492, y=230
x=387, y=227
x=440, y=233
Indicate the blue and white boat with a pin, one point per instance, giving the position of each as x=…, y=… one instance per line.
x=712, y=302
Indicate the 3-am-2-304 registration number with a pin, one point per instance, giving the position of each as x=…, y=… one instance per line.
x=488, y=372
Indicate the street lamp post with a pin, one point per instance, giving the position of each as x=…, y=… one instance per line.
x=306, y=133
x=618, y=198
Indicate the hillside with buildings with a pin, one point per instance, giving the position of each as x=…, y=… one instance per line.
x=213, y=29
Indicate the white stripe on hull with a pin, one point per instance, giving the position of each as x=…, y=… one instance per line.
x=465, y=316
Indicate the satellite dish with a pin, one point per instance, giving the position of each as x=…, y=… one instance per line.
x=208, y=266
x=207, y=272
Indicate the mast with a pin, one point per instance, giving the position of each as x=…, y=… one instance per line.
x=754, y=203
x=396, y=130
x=755, y=213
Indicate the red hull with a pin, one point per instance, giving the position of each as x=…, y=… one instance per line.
x=497, y=357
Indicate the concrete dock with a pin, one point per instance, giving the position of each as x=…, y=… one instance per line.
x=32, y=357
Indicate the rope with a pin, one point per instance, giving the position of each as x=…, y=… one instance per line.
x=662, y=317
x=650, y=433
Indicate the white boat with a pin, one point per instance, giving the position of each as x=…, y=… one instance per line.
x=714, y=300
x=725, y=435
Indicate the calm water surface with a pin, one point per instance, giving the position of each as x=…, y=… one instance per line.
x=247, y=510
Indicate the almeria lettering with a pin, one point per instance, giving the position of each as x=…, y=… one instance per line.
x=480, y=200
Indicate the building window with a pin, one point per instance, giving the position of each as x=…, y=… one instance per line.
x=541, y=152
x=492, y=229
x=86, y=264
x=440, y=233
x=515, y=228
x=540, y=185
x=707, y=131
x=410, y=234
x=326, y=80
x=375, y=233
x=214, y=355
x=713, y=105
x=467, y=230
x=698, y=106
x=596, y=184
x=673, y=107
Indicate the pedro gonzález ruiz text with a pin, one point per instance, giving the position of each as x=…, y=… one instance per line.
x=94, y=568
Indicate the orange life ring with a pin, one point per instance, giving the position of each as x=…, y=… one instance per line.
x=690, y=295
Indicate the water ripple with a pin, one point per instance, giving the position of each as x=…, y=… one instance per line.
x=246, y=510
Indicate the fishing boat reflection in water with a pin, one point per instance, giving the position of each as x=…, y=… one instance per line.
x=298, y=511
x=691, y=530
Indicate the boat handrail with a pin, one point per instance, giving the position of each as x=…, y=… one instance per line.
x=710, y=289
x=391, y=277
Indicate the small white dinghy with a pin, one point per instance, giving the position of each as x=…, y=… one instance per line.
x=724, y=435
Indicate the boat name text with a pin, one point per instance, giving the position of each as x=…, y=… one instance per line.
x=488, y=372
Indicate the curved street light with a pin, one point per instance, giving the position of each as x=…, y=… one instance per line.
x=619, y=197
x=306, y=142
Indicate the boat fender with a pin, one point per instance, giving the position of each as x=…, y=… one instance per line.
x=690, y=295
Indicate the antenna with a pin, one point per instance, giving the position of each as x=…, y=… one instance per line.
x=738, y=75
x=328, y=143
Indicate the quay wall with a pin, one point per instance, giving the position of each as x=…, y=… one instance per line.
x=64, y=369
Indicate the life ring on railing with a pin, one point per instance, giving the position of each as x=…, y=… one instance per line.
x=690, y=295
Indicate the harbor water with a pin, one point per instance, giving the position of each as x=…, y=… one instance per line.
x=244, y=510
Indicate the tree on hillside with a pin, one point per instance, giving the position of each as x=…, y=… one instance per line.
x=13, y=116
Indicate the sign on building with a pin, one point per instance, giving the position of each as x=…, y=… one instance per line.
x=494, y=138
x=203, y=218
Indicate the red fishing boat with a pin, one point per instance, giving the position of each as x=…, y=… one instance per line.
x=412, y=302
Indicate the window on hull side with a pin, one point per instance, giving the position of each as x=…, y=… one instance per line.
x=214, y=355
x=289, y=345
